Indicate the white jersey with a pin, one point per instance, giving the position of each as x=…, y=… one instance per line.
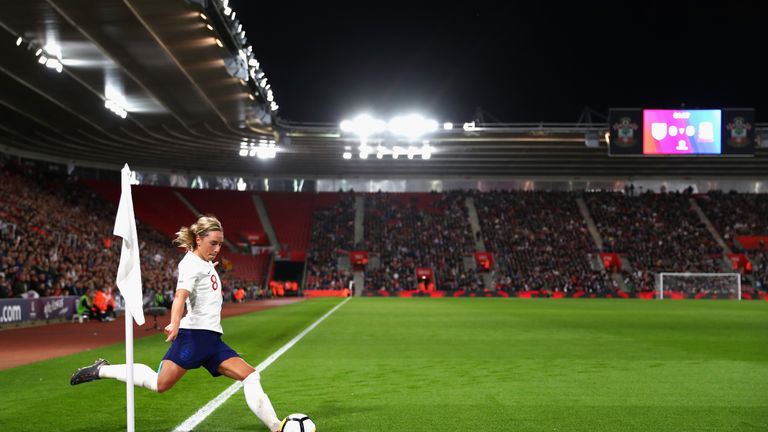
x=199, y=277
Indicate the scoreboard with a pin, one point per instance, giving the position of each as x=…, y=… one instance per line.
x=681, y=132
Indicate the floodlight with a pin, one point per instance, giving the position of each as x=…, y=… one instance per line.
x=53, y=49
x=447, y=126
x=19, y=41
x=412, y=126
x=363, y=126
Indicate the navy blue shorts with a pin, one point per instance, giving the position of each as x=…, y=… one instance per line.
x=194, y=348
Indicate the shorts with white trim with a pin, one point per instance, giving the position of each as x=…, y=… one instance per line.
x=194, y=348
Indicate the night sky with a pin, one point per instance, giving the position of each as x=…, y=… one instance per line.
x=510, y=61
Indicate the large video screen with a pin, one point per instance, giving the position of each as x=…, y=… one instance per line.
x=682, y=132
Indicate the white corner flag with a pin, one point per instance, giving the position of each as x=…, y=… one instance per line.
x=129, y=282
x=129, y=271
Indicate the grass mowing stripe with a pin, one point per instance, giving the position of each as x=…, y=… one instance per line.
x=197, y=418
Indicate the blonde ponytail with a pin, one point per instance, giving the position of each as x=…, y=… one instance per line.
x=187, y=235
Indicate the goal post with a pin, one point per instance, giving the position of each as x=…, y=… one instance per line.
x=699, y=285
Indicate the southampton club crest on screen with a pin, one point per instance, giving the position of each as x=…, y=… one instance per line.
x=738, y=131
x=625, y=131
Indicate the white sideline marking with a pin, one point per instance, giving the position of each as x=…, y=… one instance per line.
x=201, y=414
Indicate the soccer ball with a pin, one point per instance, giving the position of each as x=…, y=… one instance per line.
x=298, y=423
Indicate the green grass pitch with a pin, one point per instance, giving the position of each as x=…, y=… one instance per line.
x=452, y=364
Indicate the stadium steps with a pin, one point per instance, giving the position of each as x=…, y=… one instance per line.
x=707, y=223
x=265, y=222
x=590, y=223
x=359, y=220
x=725, y=263
x=359, y=280
x=595, y=263
x=617, y=277
x=626, y=264
x=474, y=222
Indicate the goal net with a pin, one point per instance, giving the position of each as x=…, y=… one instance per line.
x=699, y=285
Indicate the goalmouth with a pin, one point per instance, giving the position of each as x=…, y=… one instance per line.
x=699, y=285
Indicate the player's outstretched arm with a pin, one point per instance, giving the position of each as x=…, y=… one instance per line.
x=177, y=309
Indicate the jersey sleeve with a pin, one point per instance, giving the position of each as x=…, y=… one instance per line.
x=188, y=277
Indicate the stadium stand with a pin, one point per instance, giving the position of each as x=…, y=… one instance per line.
x=410, y=231
x=332, y=235
x=234, y=209
x=734, y=214
x=56, y=238
x=291, y=216
x=657, y=232
x=541, y=242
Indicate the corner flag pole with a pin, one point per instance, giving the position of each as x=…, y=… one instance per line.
x=129, y=408
x=128, y=281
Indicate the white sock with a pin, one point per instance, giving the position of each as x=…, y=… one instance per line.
x=259, y=403
x=143, y=375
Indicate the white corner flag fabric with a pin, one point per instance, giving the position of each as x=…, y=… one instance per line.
x=129, y=272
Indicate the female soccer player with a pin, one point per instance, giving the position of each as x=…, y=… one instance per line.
x=196, y=338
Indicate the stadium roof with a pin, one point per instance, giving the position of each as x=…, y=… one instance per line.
x=189, y=110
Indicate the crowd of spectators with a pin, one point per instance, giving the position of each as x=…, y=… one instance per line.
x=56, y=240
x=734, y=214
x=540, y=242
x=656, y=231
x=333, y=233
x=428, y=231
x=759, y=259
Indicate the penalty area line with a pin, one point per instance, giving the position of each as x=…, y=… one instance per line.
x=201, y=414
